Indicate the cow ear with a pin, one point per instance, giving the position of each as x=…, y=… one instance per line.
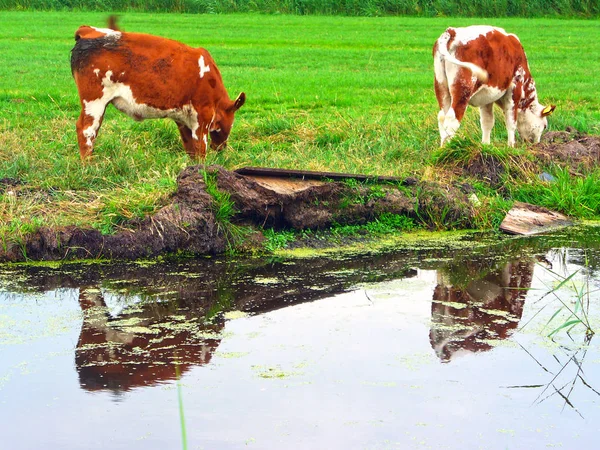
x=239, y=102
x=548, y=110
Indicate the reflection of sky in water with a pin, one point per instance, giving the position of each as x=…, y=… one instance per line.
x=356, y=370
x=115, y=304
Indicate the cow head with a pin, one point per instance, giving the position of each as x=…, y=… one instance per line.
x=532, y=121
x=223, y=122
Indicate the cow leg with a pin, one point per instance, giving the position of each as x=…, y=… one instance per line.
x=187, y=139
x=508, y=105
x=486, y=113
x=444, y=101
x=87, y=130
x=510, y=117
x=511, y=127
x=203, y=138
x=460, y=93
x=194, y=147
x=452, y=119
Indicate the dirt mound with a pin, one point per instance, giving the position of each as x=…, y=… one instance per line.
x=569, y=148
x=487, y=168
x=188, y=223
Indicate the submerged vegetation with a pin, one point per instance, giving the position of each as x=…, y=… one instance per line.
x=386, y=223
x=342, y=94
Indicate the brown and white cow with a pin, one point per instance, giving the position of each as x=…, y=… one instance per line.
x=149, y=77
x=482, y=65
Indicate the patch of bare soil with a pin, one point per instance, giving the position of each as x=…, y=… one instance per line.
x=8, y=183
x=486, y=168
x=569, y=149
x=188, y=224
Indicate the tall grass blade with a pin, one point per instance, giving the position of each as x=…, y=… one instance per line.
x=561, y=284
x=554, y=315
x=181, y=411
x=565, y=325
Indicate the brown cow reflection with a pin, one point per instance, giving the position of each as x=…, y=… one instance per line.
x=143, y=346
x=487, y=309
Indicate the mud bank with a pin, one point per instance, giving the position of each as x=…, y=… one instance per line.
x=189, y=224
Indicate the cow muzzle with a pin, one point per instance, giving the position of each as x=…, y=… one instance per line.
x=218, y=147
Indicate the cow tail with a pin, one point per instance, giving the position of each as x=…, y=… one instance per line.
x=479, y=72
x=112, y=23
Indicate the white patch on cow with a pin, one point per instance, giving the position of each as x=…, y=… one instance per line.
x=89, y=133
x=108, y=32
x=97, y=72
x=203, y=68
x=440, y=73
x=95, y=109
x=190, y=113
x=468, y=34
x=212, y=126
x=121, y=96
x=485, y=95
x=205, y=139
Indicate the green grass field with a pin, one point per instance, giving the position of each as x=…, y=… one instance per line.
x=348, y=94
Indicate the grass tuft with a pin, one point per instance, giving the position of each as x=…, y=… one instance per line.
x=577, y=196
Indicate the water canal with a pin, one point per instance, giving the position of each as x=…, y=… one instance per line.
x=466, y=345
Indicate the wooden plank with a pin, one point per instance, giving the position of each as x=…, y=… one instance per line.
x=285, y=185
x=527, y=219
x=312, y=175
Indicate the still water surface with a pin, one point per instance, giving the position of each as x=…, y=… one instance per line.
x=442, y=348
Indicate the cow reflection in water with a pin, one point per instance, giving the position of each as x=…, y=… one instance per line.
x=143, y=346
x=486, y=309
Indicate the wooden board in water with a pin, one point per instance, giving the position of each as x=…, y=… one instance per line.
x=527, y=219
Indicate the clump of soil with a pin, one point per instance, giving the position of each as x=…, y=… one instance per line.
x=8, y=183
x=569, y=149
x=188, y=223
x=487, y=168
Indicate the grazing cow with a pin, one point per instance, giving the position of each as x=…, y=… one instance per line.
x=483, y=65
x=149, y=77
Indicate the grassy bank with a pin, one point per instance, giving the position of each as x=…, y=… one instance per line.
x=324, y=93
x=421, y=8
